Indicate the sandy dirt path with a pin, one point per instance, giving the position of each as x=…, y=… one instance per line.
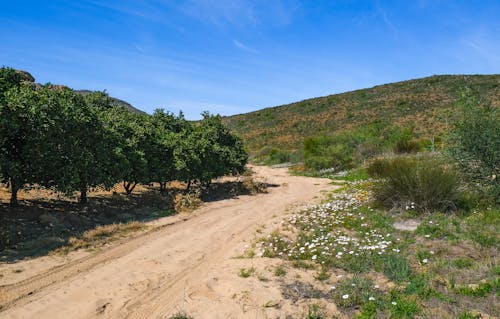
x=186, y=264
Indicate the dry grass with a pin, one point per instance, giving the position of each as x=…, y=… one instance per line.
x=100, y=236
x=254, y=186
x=188, y=201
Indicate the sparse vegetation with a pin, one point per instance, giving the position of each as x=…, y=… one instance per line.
x=439, y=266
x=315, y=312
x=427, y=104
x=180, y=315
x=246, y=272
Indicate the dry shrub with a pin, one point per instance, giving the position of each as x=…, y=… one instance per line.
x=187, y=201
x=407, y=146
x=254, y=186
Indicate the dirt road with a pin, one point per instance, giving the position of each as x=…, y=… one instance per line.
x=186, y=264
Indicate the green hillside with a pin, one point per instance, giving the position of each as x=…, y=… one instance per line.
x=428, y=104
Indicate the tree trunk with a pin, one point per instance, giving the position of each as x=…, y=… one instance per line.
x=13, y=193
x=188, y=185
x=83, y=194
x=163, y=186
x=129, y=187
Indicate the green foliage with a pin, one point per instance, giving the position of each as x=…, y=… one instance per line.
x=403, y=307
x=55, y=137
x=395, y=267
x=278, y=156
x=161, y=142
x=348, y=149
x=405, y=142
x=482, y=227
x=131, y=132
x=428, y=104
x=327, y=152
x=208, y=151
x=479, y=290
x=19, y=135
x=356, y=291
x=246, y=272
x=86, y=143
x=419, y=285
x=180, y=315
x=280, y=271
x=314, y=312
x=475, y=144
x=421, y=183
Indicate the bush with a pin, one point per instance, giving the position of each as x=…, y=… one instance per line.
x=277, y=156
x=180, y=315
x=407, y=146
x=378, y=167
x=423, y=183
x=475, y=144
x=328, y=152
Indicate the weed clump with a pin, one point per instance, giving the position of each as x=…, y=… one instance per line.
x=180, y=315
x=355, y=292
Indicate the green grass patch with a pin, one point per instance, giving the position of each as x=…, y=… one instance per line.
x=246, y=272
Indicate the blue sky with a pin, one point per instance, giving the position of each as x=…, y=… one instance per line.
x=237, y=56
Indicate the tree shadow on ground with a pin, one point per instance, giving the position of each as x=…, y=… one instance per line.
x=38, y=226
x=231, y=189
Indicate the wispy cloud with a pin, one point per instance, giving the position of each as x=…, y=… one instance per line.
x=385, y=18
x=244, y=47
x=486, y=49
x=151, y=11
x=241, y=13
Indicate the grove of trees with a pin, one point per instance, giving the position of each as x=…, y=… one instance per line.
x=54, y=137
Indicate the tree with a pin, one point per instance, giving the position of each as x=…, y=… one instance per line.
x=218, y=152
x=19, y=123
x=86, y=152
x=161, y=139
x=130, y=129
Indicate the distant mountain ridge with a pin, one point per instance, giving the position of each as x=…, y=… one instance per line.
x=428, y=104
x=29, y=78
x=115, y=101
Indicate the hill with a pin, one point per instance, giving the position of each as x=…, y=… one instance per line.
x=428, y=104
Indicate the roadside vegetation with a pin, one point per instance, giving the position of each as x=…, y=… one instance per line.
x=412, y=233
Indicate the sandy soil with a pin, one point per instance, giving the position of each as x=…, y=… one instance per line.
x=187, y=263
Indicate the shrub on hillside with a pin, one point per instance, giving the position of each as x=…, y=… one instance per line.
x=475, y=145
x=377, y=167
x=328, y=152
x=407, y=146
x=423, y=183
x=278, y=156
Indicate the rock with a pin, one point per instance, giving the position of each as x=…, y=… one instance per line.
x=408, y=225
x=26, y=76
